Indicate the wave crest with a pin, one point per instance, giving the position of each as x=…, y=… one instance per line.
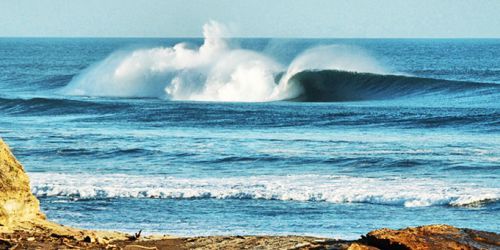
x=409, y=192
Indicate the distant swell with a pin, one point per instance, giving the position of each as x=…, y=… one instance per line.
x=54, y=106
x=409, y=192
x=338, y=86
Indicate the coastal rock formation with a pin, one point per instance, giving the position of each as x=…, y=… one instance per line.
x=17, y=203
x=358, y=246
x=432, y=237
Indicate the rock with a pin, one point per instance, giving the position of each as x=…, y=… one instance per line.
x=139, y=247
x=357, y=246
x=432, y=237
x=301, y=245
x=88, y=239
x=17, y=203
x=5, y=244
x=101, y=241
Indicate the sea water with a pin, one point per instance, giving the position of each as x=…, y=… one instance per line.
x=216, y=136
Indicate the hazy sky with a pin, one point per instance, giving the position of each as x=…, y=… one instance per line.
x=251, y=18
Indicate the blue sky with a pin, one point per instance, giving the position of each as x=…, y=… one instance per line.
x=255, y=18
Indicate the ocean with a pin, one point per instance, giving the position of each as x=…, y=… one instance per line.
x=214, y=136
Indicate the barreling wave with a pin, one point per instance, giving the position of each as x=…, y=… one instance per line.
x=397, y=191
x=335, y=86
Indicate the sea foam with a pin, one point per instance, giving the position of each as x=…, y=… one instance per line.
x=399, y=191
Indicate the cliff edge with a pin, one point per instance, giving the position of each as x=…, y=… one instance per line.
x=17, y=203
x=20, y=214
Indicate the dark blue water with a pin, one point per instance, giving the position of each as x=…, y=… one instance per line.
x=256, y=136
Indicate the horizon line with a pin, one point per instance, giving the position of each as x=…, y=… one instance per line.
x=242, y=37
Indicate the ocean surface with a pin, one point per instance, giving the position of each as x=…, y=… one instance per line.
x=325, y=137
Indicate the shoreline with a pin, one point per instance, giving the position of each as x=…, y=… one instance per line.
x=47, y=235
x=24, y=226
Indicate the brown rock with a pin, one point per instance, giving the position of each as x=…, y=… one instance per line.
x=101, y=241
x=357, y=246
x=17, y=203
x=432, y=237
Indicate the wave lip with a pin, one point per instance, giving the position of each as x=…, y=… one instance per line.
x=408, y=192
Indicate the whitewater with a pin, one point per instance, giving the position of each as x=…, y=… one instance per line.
x=215, y=71
x=221, y=135
x=408, y=192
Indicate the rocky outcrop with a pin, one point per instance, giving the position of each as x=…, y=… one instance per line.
x=21, y=219
x=17, y=203
x=432, y=237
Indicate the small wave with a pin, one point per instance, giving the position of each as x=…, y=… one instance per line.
x=55, y=106
x=234, y=159
x=408, y=192
x=102, y=153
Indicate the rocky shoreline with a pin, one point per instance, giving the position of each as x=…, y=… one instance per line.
x=24, y=226
x=425, y=237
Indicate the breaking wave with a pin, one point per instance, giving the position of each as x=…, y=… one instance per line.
x=215, y=71
x=399, y=191
x=219, y=71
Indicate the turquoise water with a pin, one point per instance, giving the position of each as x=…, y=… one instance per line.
x=259, y=136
